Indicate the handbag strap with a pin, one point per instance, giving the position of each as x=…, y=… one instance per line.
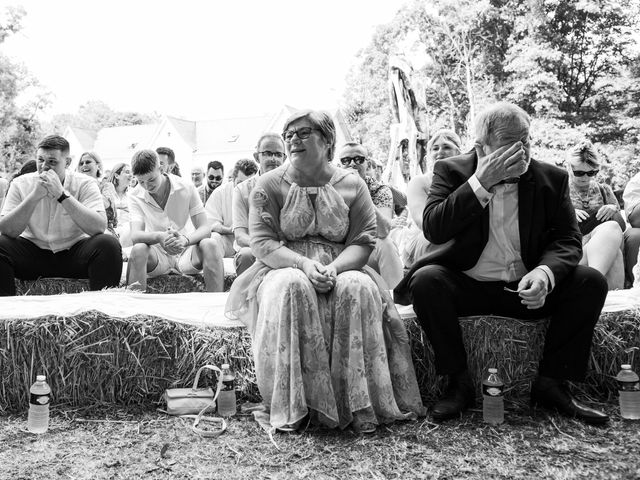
x=201, y=417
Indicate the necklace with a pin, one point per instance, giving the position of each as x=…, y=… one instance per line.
x=583, y=194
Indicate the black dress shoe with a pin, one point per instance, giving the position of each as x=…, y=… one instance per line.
x=459, y=395
x=554, y=395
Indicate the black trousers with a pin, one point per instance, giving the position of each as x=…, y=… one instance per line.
x=441, y=294
x=98, y=258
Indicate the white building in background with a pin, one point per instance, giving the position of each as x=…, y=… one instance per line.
x=194, y=142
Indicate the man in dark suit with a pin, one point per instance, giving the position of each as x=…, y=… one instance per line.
x=499, y=220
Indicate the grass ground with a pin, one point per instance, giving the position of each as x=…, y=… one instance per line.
x=120, y=444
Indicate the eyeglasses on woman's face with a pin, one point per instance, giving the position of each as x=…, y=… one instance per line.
x=302, y=132
x=358, y=160
x=581, y=173
x=269, y=154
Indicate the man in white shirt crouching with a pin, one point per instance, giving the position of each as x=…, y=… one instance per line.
x=164, y=240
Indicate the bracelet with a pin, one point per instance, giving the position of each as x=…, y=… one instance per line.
x=298, y=262
x=187, y=239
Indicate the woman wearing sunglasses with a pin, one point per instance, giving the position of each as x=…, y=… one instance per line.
x=598, y=215
x=444, y=144
x=328, y=343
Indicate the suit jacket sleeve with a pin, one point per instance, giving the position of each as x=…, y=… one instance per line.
x=562, y=241
x=451, y=206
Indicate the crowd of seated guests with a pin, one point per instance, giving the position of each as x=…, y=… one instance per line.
x=310, y=226
x=608, y=245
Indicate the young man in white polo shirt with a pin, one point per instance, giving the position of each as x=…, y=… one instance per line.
x=164, y=241
x=53, y=224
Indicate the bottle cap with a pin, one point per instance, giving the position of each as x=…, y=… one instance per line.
x=493, y=370
x=41, y=378
x=225, y=366
x=625, y=366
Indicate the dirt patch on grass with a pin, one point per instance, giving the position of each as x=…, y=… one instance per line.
x=120, y=444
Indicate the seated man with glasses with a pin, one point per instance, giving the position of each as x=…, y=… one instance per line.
x=215, y=175
x=269, y=154
x=169, y=227
x=219, y=210
x=598, y=215
x=385, y=258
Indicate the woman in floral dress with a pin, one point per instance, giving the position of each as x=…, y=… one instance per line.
x=328, y=342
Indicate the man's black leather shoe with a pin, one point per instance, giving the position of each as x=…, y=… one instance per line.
x=554, y=395
x=459, y=395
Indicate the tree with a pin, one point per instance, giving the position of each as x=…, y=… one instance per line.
x=96, y=114
x=366, y=101
x=19, y=125
x=462, y=44
x=561, y=50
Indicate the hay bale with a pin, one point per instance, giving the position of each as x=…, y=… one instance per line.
x=51, y=286
x=161, y=284
x=95, y=359
x=515, y=348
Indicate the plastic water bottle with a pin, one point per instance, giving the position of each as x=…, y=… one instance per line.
x=629, y=390
x=493, y=401
x=227, y=396
x=38, y=419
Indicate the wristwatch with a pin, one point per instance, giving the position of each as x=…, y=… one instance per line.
x=65, y=194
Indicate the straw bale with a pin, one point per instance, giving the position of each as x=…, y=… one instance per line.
x=161, y=284
x=515, y=348
x=94, y=359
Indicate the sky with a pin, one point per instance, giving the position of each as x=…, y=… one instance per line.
x=195, y=59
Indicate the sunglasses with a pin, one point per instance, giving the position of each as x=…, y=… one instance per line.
x=269, y=154
x=591, y=173
x=303, y=133
x=215, y=177
x=358, y=160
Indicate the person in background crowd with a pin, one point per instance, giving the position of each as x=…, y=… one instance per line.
x=219, y=210
x=29, y=166
x=631, y=200
x=163, y=240
x=444, y=144
x=167, y=159
x=197, y=175
x=4, y=186
x=508, y=244
x=215, y=174
x=328, y=342
x=597, y=212
x=91, y=164
x=120, y=178
x=269, y=154
x=52, y=225
x=384, y=258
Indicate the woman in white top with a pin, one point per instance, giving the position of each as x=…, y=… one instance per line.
x=91, y=164
x=444, y=144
